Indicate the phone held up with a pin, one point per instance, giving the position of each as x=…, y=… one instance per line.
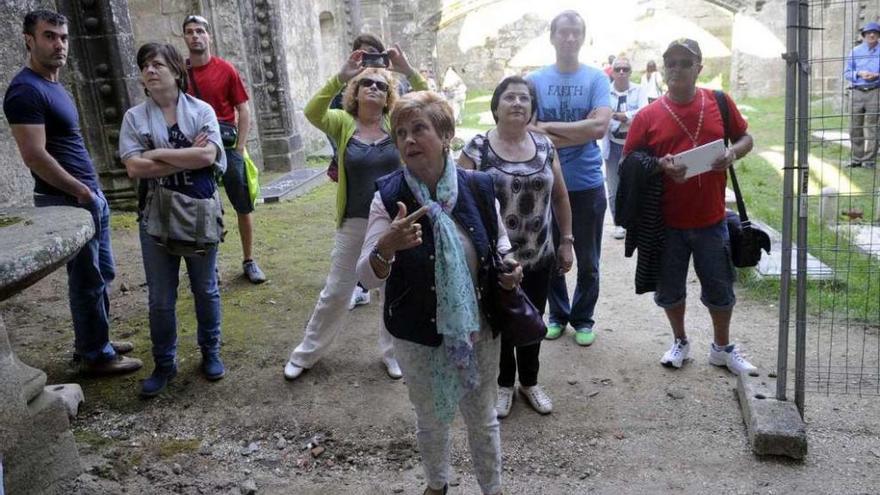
x=378, y=60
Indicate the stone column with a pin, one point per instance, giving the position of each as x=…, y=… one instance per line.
x=37, y=448
x=264, y=36
x=104, y=78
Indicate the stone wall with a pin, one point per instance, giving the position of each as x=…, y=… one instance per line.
x=17, y=184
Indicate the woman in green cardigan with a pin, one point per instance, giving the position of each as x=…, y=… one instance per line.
x=366, y=152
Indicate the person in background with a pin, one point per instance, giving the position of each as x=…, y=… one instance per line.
x=573, y=111
x=693, y=209
x=862, y=71
x=429, y=243
x=216, y=82
x=365, y=152
x=626, y=100
x=45, y=125
x=172, y=141
x=606, y=67
x=652, y=82
x=528, y=184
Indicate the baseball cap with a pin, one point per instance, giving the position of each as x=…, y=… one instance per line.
x=197, y=19
x=688, y=44
x=871, y=26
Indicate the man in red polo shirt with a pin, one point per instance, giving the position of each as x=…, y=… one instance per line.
x=693, y=209
x=216, y=81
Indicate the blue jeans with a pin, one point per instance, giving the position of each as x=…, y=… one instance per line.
x=612, y=177
x=89, y=274
x=587, y=215
x=163, y=271
x=710, y=247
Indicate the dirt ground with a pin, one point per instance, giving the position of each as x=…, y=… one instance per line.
x=621, y=422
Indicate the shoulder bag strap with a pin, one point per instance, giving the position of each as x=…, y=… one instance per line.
x=721, y=100
x=491, y=227
x=192, y=79
x=484, y=154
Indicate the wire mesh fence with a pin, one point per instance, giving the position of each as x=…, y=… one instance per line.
x=840, y=197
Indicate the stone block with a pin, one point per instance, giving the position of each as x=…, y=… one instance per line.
x=774, y=427
x=71, y=396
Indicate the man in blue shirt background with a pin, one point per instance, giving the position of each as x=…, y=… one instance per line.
x=574, y=111
x=862, y=69
x=45, y=124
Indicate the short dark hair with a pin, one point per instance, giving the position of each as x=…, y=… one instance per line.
x=149, y=51
x=570, y=15
x=197, y=19
x=33, y=17
x=502, y=87
x=369, y=40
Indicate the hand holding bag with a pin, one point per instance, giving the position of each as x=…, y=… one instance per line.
x=508, y=311
x=746, y=240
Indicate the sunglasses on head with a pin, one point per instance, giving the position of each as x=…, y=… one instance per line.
x=685, y=63
x=366, y=83
x=623, y=70
x=195, y=18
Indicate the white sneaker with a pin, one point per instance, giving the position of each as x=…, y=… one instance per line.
x=618, y=232
x=392, y=368
x=292, y=371
x=359, y=297
x=537, y=398
x=676, y=355
x=504, y=402
x=733, y=360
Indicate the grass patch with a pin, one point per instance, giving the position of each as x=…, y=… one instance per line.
x=477, y=102
x=854, y=293
x=167, y=448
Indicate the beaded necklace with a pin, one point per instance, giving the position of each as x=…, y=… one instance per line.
x=678, y=121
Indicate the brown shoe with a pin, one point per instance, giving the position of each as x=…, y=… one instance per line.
x=122, y=346
x=116, y=366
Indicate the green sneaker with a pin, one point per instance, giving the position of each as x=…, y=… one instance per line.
x=554, y=331
x=585, y=337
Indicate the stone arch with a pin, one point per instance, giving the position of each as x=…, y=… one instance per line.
x=723, y=25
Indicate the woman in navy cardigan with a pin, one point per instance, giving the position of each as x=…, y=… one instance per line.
x=428, y=242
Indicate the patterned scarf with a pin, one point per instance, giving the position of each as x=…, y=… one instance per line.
x=454, y=368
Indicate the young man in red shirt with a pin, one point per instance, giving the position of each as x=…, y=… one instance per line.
x=693, y=209
x=216, y=81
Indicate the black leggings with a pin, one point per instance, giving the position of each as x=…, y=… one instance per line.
x=536, y=285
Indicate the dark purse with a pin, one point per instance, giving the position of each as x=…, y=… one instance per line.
x=746, y=240
x=509, y=311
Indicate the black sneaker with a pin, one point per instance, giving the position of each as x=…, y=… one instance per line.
x=118, y=365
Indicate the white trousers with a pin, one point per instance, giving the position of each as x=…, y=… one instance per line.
x=477, y=408
x=326, y=320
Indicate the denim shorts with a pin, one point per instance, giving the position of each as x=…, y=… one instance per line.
x=235, y=183
x=710, y=247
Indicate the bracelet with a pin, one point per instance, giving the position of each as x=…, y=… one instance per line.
x=566, y=239
x=382, y=259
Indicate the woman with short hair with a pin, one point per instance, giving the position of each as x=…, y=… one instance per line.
x=172, y=141
x=429, y=240
x=529, y=186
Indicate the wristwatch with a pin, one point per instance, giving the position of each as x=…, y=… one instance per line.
x=566, y=238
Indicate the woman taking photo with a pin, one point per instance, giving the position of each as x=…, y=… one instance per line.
x=528, y=181
x=171, y=142
x=430, y=245
x=365, y=152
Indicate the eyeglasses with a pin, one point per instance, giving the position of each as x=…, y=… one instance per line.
x=366, y=83
x=685, y=63
x=623, y=70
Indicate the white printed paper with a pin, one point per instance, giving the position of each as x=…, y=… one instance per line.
x=701, y=158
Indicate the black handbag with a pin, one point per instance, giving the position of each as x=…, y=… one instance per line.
x=746, y=240
x=509, y=311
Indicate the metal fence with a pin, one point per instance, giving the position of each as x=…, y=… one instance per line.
x=831, y=212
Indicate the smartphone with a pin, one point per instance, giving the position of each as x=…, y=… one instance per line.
x=379, y=60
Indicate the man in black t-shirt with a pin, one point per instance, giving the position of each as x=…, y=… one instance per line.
x=45, y=124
